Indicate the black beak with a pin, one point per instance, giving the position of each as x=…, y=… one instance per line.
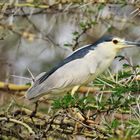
x=129, y=44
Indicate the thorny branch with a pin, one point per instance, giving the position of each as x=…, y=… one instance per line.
x=62, y=122
x=66, y=121
x=56, y=3
x=55, y=123
x=31, y=132
x=76, y=40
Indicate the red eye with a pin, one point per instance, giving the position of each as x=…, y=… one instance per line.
x=115, y=41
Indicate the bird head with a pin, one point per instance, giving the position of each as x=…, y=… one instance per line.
x=119, y=43
x=116, y=43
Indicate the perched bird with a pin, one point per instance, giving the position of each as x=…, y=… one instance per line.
x=80, y=68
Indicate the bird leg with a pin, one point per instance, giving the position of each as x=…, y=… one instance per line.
x=34, y=111
x=74, y=89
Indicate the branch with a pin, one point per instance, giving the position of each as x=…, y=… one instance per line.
x=26, y=5
x=82, y=89
x=13, y=87
x=86, y=2
x=20, y=123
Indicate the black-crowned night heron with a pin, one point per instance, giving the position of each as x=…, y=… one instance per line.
x=81, y=67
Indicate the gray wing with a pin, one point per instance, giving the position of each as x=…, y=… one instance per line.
x=73, y=73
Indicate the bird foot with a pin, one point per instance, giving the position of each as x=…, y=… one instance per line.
x=34, y=111
x=74, y=89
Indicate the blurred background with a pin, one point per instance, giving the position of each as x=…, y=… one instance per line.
x=39, y=34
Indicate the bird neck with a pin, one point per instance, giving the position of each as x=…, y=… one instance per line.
x=106, y=51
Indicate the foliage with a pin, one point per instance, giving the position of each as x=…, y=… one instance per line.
x=113, y=112
x=122, y=104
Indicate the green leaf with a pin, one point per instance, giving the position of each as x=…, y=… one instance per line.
x=67, y=45
x=126, y=65
x=115, y=123
x=101, y=6
x=75, y=33
x=57, y=104
x=82, y=25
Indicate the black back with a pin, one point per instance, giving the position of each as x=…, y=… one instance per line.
x=76, y=55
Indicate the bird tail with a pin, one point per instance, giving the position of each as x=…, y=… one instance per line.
x=36, y=90
x=33, y=93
